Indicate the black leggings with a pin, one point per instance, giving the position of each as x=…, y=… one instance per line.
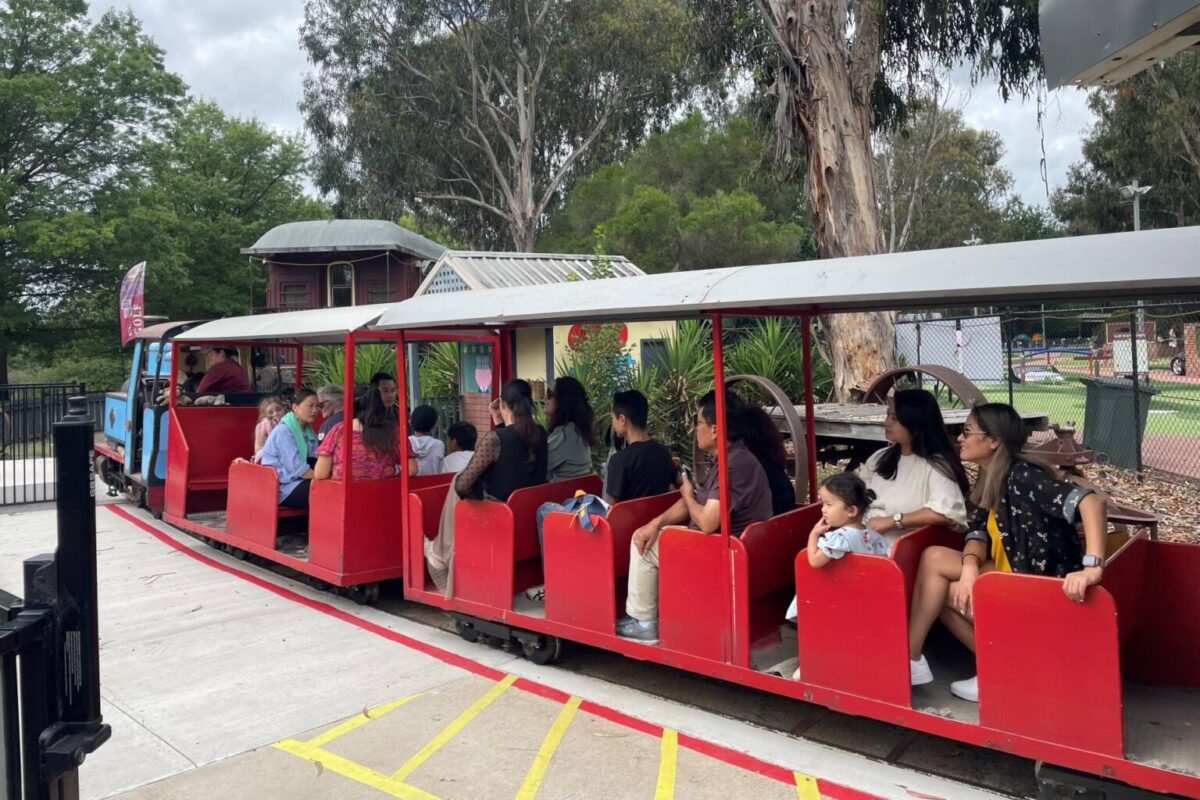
x=298, y=498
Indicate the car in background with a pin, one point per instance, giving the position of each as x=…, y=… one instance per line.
x=1040, y=373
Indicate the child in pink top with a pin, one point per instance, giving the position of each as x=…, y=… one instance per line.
x=270, y=411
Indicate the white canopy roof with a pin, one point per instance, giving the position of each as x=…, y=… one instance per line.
x=1127, y=265
x=315, y=325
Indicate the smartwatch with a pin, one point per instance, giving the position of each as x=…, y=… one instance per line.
x=1093, y=561
x=896, y=518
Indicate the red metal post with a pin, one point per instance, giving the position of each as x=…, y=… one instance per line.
x=348, y=414
x=722, y=446
x=402, y=408
x=299, y=366
x=810, y=422
x=722, y=467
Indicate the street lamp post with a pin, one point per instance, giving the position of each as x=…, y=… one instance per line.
x=1135, y=192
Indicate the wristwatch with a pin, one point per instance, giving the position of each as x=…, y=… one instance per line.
x=1093, y=561
x=898, y=519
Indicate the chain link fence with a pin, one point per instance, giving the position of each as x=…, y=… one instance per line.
x=1115, y=377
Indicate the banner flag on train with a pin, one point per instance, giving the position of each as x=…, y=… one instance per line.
x=133, y=312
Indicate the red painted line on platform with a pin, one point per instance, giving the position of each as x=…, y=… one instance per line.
x=715, y=751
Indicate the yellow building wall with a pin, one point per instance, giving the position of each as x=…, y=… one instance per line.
x=531, y=354
x=531, y=346
x=637, y=332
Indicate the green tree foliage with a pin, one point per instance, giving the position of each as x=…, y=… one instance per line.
x=76, y=98
x=941, y=182
x=208, y=186
x=438, y=369
x=692, y=197
x=326, y=364
x=1147, y=130
x=483, y=109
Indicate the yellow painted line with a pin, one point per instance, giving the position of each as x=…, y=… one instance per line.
x=354, y=771
x=358, y=721
x=666, y=766
x=450, y=731
x=806, y=787
x=541, y=762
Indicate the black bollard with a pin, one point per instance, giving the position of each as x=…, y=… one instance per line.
x=79, y=627
x=68, y=587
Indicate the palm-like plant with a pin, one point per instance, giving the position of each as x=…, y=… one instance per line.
x=772, y=350
x=438, y=369
x=673, y=386
x=326, y=364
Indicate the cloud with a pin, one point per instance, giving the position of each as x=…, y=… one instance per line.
x=243, y=54
x=1065, y=119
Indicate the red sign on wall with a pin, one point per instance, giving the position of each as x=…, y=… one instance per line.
x=578, y=335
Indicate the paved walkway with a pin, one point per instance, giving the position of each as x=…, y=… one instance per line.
x=225, y=681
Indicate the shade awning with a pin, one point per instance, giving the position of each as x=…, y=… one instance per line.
x=315, y=325
x=1127, y=265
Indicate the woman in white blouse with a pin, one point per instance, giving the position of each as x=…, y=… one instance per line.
x=918, y=480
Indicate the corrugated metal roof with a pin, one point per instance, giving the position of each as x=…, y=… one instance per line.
x=342, y=236
x=486, y=270
x=313, y=325
x=1121, y=265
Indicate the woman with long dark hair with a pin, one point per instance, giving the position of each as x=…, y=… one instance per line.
x=918, y=479
x=1023, y=521
x=570, y=438
x=505, y=459
x=763, y=438
x=375, y=445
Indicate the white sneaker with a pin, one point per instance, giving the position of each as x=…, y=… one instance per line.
x=919, y=672
x=536, y=593
x=967, y=690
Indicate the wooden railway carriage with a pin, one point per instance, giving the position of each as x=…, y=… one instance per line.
x=1109, y=688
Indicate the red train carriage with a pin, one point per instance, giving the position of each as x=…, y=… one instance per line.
x=1109, y=688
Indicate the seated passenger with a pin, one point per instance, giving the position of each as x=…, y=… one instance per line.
x=385, y=386
x=570, y=437
x=375, y=446
x=270, y=412
x=507, y=458
x=332, y=402
x=763, y=438
x=1024, y=521
x=840, y=530
x=460, y=441
x=642, y=468
x=223, y=373
x=919, y=479
x=291, y=450
x=700, y=508
x=430, y=451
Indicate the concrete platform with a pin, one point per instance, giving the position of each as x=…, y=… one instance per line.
x=223, y=680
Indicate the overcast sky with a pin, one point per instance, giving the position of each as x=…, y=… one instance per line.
x=246, y=56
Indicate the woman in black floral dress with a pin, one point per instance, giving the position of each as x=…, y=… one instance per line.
x=1023, y=520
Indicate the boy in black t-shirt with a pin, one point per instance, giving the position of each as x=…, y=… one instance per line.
x=644, y=467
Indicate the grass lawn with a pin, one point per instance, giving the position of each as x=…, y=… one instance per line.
x=1175, y=411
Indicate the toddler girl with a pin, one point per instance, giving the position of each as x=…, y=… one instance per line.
x=270, y=411
x=844, y=499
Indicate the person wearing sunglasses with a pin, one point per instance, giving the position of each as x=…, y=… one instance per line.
x=1024, y=521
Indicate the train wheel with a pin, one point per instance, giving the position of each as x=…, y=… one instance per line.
x=365, y=594
x=545, y=650
x=239, y=553
x=466, y=630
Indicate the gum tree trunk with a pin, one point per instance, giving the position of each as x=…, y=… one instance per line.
x=823, y=97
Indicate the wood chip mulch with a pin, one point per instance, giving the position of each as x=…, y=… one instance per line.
x=1175, y=500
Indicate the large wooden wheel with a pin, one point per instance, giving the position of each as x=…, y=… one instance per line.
x=952, y=389
x=794, y=427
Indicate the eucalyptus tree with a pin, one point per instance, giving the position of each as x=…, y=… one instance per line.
x=829, y=72
x=484, y=109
